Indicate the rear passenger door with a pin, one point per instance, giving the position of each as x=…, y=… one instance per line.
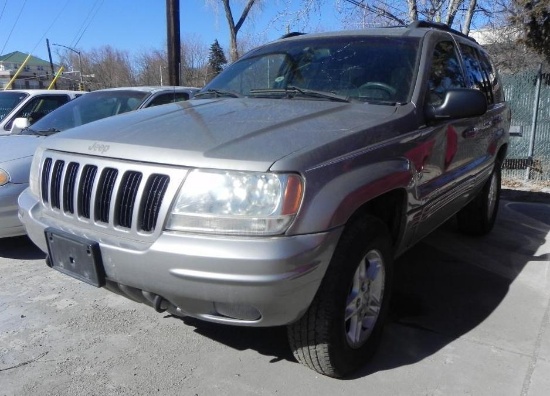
x=480, y=75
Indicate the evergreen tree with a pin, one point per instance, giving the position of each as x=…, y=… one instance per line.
x=534, y=18
x=216, y=59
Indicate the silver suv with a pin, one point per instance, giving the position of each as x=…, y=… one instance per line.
x=281, y=194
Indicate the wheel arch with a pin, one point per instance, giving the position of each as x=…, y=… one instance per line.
x=502, y=152
x=389, y=207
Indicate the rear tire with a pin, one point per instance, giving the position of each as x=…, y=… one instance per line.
x=478, y=217
x=342, y=327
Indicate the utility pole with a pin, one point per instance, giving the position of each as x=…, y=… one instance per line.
x=54, y=80
x=174, y=45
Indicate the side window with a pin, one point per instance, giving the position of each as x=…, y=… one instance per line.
x=445, y=72
x=493, y=77
x=168, y=98
x=477, y=76
x=38, y=107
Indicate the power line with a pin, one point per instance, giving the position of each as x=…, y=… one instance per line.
x=48, y=29
x=13, y=27
x=87, y=21
x=3, y=8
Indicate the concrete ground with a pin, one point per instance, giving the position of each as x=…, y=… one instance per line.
x=469, y=317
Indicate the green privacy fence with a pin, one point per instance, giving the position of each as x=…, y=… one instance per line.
x=528, y=93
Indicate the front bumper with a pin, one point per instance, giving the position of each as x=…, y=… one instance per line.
x=260, y=281
x=9, y=222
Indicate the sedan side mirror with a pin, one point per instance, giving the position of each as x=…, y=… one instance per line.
x=458, y=103
x=18, y=125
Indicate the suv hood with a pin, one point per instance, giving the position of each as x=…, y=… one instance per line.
x=221, y=133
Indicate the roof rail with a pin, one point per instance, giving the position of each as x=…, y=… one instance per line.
x=439, y=26
x=291, y=34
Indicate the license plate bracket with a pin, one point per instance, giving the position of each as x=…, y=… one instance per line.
x=75, y=256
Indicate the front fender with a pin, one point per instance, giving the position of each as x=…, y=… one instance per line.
x=340, y=191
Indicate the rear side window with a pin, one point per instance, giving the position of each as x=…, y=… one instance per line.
x=493, y=77
x=445, y=72
x=478, y=77
x=169, y=98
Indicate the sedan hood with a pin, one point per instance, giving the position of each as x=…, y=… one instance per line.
x=224, y=133
x=18, y=146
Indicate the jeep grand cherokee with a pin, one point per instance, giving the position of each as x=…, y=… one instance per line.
x=282, y=192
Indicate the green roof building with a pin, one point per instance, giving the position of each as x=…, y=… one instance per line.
x=36, y=73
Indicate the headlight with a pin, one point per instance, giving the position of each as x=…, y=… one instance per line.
x=4, y=177
x=238, y=203
x=34, y=176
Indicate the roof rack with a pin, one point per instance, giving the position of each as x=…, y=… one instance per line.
x=291, y=34
x=439, y=26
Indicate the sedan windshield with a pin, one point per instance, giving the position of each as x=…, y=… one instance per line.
x=87, y=108
x=346, y=68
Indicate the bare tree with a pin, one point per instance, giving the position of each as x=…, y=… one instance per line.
x=151, y=67
x=462, y=15
x=194, y=59
x=110, y=67
x=469, y=16
x=451, y=12
x=234, y=27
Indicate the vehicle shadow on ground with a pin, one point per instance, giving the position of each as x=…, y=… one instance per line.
x=444, y=287
x=20, y=248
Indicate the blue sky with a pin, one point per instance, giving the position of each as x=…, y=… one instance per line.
x=136, y=25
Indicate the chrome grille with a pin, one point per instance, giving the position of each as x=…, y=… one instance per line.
x=45, y=180
x=104, y=194
x=156, y=189
x=125, y=208
x=55, y=185
x=85, y=191
x=69, y=187
x=113, y=196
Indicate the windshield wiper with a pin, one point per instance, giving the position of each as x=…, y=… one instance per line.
x=291, y=91
x=382, y=102
x=30, y=131
x=218, y=93
x=40, y=132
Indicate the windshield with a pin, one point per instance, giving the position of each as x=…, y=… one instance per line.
x=366, y=69
x=87, y=108
x=10, y=100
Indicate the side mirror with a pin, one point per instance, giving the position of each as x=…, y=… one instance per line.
x=458, y=103
x=18, y=125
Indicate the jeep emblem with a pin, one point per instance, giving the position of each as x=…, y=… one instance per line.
x=102, y=148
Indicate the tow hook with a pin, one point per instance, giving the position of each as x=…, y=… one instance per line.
x=157, y=304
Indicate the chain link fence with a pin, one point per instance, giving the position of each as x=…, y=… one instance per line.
x=528, y=93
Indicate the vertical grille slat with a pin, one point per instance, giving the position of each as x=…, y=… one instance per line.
x=45, y=180
x=69, y=187
x=105, y=194
x=108, y=194
x=56, y=182
x=128, y=192
x=85, y=192
x=155, y=189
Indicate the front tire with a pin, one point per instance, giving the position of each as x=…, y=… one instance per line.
x=478, y=217
x=342, y=327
